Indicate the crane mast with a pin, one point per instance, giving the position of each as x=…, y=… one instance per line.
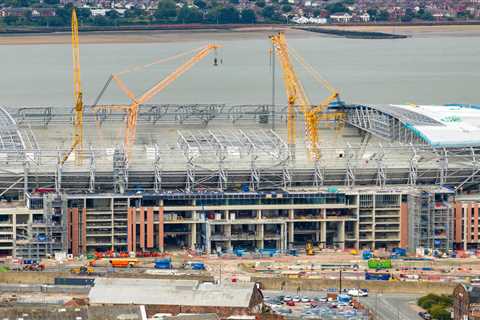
x=295, y=93
x=297, y=97
x=77, y=142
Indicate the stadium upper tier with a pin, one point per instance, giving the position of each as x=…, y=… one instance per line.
x=452, y=126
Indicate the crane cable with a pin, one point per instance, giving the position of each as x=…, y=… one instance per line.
x=137, y=68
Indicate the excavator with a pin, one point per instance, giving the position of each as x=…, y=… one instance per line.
x=132, y=108
x=297, y=97
x=309, y=248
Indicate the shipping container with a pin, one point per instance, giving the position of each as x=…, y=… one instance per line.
x=377, y=276
x=378, y=264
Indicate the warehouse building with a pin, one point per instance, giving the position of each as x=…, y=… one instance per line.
x=178, y=296
x=216, y=177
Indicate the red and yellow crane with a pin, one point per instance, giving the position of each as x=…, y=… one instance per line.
x=77, y=141
x=298, y=98
x=132, y=109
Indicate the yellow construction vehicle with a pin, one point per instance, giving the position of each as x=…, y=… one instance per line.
x=77, y=142
x=82, y=270
x=297, y=98
x=309, y=248
x=132, y=109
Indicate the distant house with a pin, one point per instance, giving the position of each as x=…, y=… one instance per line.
x=466, y=302
x=341, y=17
x=364, y=17
x=43, y=12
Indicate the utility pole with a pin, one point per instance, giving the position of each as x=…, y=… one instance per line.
x=340, y=283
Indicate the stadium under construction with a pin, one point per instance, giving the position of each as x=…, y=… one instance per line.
x=217, y=177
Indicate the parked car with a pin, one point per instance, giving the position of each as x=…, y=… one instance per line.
x=357, y=293
x=425, y=315
x=296, y=299
x=305, y=299
x=287, y=298
x=290, y=303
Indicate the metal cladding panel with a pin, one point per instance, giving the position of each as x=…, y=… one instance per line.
x=84, y=230
x=69, y=228
x=129, y=229
x=458, y=222
x=469, y=222
x=75, y=233
x=160, y=229
x=404, y=225
x=150, y=228
x=134, y=229
x=142, y=228
x=475, y=222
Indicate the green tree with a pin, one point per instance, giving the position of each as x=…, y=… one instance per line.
x=268, y=11
x=166, y=9
x=51, y=2
x=112, y=14
x=101, y=21
x=134, y=13
x=234, y=1
x=189, y=15
x=286, y=8
x=260, y=3
x=200, y=4
x=408, y=16
x=425, y=15
x=439, y=312
x=228, y=15
x=65, y=14
x=372, y=13
x=248, y=16
x=336, y=8
x=383, y=15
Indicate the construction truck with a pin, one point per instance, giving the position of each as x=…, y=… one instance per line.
x=123, y=262
x=82, y=270
x=309, y=248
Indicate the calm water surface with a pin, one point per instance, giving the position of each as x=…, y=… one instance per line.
x=418, y=70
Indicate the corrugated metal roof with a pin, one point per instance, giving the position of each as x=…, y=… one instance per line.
x=170, y=292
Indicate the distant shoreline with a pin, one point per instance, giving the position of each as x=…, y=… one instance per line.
x=355, y=34
x=215, y=27
x=202, y=33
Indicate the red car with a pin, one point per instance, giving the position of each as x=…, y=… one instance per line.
x=290, y=303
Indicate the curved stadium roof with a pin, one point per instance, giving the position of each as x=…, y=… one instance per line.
x=10, y=137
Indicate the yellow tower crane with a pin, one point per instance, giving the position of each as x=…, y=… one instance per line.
x=297, y=98
x=132, y=109
x=77, y=142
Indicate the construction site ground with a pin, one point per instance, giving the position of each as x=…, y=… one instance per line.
x=283, y=272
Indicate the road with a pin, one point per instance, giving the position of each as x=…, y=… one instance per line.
x=392, y=306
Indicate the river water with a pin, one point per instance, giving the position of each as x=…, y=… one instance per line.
x=424, y=70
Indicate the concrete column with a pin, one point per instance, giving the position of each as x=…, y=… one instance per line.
x=291, y=233
x=323, y=233
x=291, y=215
x=341, y=234
x=193, y=235
x=317, y=232
x=259, y=214
x=260, y=235
x=228, y=234
x=283, y=237
x=14, y=236
x=208, y=244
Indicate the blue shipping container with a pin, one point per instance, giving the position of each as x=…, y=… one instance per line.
x=163, y=264
x=377, y=276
